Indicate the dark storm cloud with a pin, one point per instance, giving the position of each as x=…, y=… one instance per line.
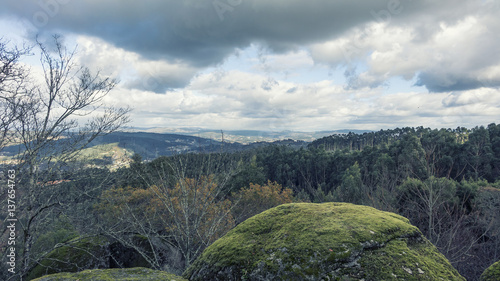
x=204, y=32
x=438, y=82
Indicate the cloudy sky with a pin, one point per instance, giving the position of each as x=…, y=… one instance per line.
x=282, y=64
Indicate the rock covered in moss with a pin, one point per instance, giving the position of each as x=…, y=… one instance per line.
x=492, y=273
x=87, y=253
x=129, y=274
x=330, y=241
x=77, y=254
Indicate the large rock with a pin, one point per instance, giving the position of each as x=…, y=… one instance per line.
x=87, y=253
x=78, y=254
x=492, y=273
x=330, y=241
x=129, y=274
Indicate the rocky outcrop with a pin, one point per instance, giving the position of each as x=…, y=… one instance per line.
x=87, y=253
x=129, y=274
x=492, y=273
x=330, y=241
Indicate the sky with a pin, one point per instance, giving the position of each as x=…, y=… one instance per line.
x=279, y=65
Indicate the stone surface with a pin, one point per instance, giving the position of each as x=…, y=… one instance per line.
x=129, y=274
x=87, y=253
x=330, y=241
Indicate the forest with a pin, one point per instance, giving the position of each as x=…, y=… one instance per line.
x=445, y=181
x=62, y=213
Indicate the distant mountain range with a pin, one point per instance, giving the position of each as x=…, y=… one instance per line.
x=244, y=136
x=152, y=145
x=115, y=149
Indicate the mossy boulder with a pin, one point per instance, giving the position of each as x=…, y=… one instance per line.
x=492, y=273
x=87, y=253
x=76, y=255
x=330, y=241
x=129, y=274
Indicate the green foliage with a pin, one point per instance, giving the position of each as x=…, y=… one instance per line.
x=248, y=173
x=445, y=181
x=496, y=184
x=303, y=196
x=351, y=189
x=410, y=156
x=320, y=196
x=467, y=191
x=60, y=231
x=479, y=154
x=438, y=190
x=455, y=153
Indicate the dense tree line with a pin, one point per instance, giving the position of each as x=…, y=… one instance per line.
x=445, y=181
x=452, y=153
x=442, y=180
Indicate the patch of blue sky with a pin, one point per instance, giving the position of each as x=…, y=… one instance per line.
x=256, y=60
x=398, y=84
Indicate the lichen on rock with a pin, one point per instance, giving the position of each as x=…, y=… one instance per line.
x=116, y=274
x=329, y=241
x=492, y=273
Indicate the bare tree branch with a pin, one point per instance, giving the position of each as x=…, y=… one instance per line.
x=43, y=119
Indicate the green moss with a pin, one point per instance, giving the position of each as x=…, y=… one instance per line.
x=76, y=255
x=492, y=273
x=90, y=253
x=129, y=274
x=404, y=259
x=331, y=241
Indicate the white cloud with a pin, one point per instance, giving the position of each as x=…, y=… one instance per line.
x=236, y=100
x=132, y=69
x=266, y=64
x=454, y=55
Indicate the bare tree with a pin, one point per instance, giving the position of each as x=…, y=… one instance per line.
x=12, y=78
x=434, y=206
x=182, y=211
x=45, y=124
